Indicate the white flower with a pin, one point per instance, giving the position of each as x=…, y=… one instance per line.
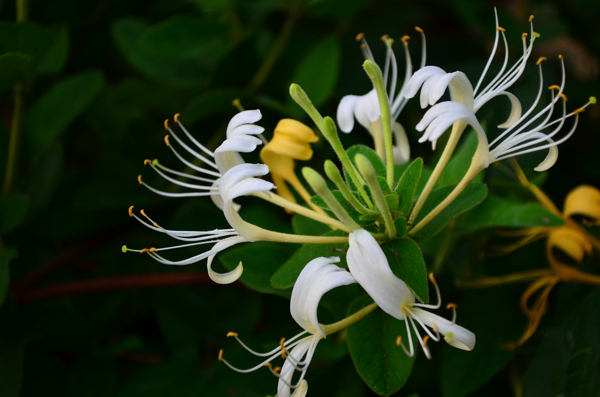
x=365, y=108
x=317, y=278
x=370, y=268
x=434, y=80
x=240, y=138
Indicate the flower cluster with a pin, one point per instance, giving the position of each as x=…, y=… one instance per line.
x=372, y=209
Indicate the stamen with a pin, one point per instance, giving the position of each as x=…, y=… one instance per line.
x=577, y=111
x=435, y=327
x=359, y=36
x=418, y=29
x=425, y=340
x=139, y=178
x=399, y=340
x=221, y=355
x=130, y=211
x=268, y=365
x=560, y=56
x=540, y=60
x=453, y=307
x=524, y=36
x=276, y=370
x=124, y=248
x=385, y=37
x=405, y=39
x=167, y=124
x=144, y=250
x=531, y=18
x=500, y=28
x=362, y=46
x=147, y=162
x=143, y=213
x=283, y=351
x=563, y=96
x=432, y=279
x=231, y=334
x=554, y=87
x=167, y=140
x=176, y=117
x=152, y=249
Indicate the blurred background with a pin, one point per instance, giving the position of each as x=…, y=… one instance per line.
x=87, y=84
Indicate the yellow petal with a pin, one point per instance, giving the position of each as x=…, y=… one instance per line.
x=583, y=200
x=572, y=242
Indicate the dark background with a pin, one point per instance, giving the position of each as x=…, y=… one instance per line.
x=83, y=319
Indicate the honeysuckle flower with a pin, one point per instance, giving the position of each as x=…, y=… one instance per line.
x=291, y=141
x=365, y=108
x=571, y=239
x=240, y=138
x=370, y=268
x=318, y=277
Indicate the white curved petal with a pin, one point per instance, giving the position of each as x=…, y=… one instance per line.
x=443, y=115
x=239, y=143
x=245, y=117
x=461, y=90
x=246, y=129
x=227, y=160
x=549, y=161
x=229, y=277
x=345, y=113
x=360, y=112
x=370, y=268
x=289, y=368
x=454, y=334
x=402, y=148
x=420, y=76
x=301, y=390
x=515, y=110
x=317, y=278
x=230, y=186
x=371, y=103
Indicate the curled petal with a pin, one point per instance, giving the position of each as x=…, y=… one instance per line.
x=583, y=200
x=345, y=112
x=420, y=76
x=235, y=183
x=515, y=110
x=570, y=241
x=549, y=161
x=245, y=117
x=229, y=277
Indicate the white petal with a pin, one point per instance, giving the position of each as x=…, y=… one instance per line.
x=420, y=76
x=218, y=200
x=317, y=278
x=245, y=117
x=402, y=148
x=370, y=268
x=288, y=369
x=515, y=110
x=240, y=143
x=454, y=334
x=301, y=390
x=246, y=129
x=345, y=113
x=227, y=160
x=229, y=277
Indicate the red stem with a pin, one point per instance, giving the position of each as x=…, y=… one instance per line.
x=113, y=284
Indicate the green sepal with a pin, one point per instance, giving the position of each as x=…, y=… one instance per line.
x=354, y=214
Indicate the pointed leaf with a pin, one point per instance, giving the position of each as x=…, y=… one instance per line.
x=408, y=184
x=407, y=263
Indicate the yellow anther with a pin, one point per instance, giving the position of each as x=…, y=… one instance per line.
x=524, y=36
x=385, y=37
x=167, y=124
x=276, y=370
x=236, y=102
x=232, y=334
x=143, y=213
x=362, y=46
x=152, y=249
x=176, y=117
x=432, y=279
x=540, y=60
x=130, y=210
x=282, y=341
x=147, y=161
x=167, y=140
x=577, y=111
x=140, y=179
x=560, y=56
x=155, y=224
x=220, y=354
x=360, y=36
x=500, y=28
x=405, y=39
x=425, y=340
x=268, y=365
x=418, y=29
x=531, y=17
x=435, y=327
x=451, y=306
x=563, y=96
x=283, y=352
x=144, y=250
x=554, y=87
x=399, y=340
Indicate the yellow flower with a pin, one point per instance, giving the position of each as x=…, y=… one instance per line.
x=291, y=141
x=571, y=239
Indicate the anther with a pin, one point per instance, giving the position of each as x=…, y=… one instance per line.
x=220, y=354
x=167, y=140
x=176, y=117
x=593, y=100
x=124, y=248
x=155, y=224
x=144, y=250
x=147, y=162
x=130, y=210
x=268, y=365
x=500, y=28
x=232, y=334
x=540, y=60
x=524, y=36
x=385, y=37
x=554, y=87
x=531, y=17
x=560, y=56
x=143, y=213
x=435, y=327
x=140, y=179
x=362, y=46
x=425, y=340
x=167, y=124
x=399, y=340
x=577, y=111
x=563, y=96
x=451, y=306
x=276, y=370
x=360, y=36
x=152, y=249
x=405, y=39
x=432, y=279
x=418, y=29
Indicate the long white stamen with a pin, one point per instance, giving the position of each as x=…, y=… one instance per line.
x=192, y=151
x=425, y=349
x=193, y=166
x=423, y=46
x=166, y=194
x=287, y=344
x=183, y=174
x=430, y=306
x=489, y=62
x=425, y=328
x=184, y=184
x=201, y=146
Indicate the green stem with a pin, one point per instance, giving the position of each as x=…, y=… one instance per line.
x=334, y=175
x=376, y=76
x=348, y=321
x=13, y=145
x=276, y=50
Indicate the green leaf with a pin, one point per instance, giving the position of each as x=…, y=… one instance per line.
x=383, y=366
x=469, y=198
x=407, y=263
x=5, y=257
x=370, y=155
x=12, y=211
x=318, y=71
x=497, y=212
x=286, y=275
x=385, y=188
x=58, y=51
x=12, y=68
x=464, y=372
x=400, y=224
x=408, y=184
x=392, y=201
x=57, y=108
x=260, y=260
x=307, y=226
x=25, y=38
x=183, y=36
